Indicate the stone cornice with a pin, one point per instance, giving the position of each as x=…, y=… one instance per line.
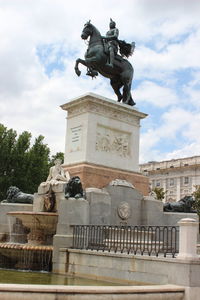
x=174, y=169
x=103, y=106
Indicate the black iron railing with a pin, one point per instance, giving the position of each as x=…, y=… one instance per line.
x=144, y=240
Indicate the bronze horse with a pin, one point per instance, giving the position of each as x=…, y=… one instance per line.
x=96, y=59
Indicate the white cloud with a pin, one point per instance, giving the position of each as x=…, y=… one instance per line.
x=155, y=94
x=167, y=36
x=186, y=150
x=180, y=128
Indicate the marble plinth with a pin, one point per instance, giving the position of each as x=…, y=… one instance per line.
x=102, y=141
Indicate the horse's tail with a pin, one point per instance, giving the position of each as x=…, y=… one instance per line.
x=126, y=49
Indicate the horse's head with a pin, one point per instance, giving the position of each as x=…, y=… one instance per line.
x=87, y=30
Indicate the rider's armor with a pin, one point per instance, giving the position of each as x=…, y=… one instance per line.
x=112, y=40
x=113, y=35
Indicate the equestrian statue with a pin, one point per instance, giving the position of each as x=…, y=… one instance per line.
x=102, y=57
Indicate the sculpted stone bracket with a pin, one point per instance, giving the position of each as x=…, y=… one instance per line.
x=121, y=182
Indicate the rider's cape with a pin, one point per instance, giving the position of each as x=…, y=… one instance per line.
x=126, y=49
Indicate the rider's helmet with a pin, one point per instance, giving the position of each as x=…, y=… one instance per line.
x=112, y=23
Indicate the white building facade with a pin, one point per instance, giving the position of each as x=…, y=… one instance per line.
x=177, y=177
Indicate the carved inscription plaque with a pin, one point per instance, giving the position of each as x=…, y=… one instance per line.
x=113, y=141
x=75, y=138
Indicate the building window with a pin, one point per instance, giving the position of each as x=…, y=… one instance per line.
x=157, y=183
x=186, y=180
x=171, y=181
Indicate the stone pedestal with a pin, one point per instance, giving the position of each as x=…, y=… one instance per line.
x=102, y=141
x=71, y=211
x=188, y=239
x=39, y=198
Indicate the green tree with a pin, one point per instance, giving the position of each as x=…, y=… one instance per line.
x=7, y=144
x=196, y=195
x=59, y=155
x=196, y=205
x=38, y=167
x=160, y=193
x=20, y=164
x=20, y=160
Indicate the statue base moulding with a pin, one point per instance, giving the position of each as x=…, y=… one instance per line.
x=98, y=176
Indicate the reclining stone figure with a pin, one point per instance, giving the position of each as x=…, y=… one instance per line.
x=183, y=205
x=14, y=195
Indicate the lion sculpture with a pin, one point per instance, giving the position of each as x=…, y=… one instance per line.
x=14, y=195
x=183, y=205
x=74, y=188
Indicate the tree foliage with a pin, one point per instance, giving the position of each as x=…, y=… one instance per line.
x=196, y=204
x=160, y=193
x=22, y=164
x=196, y=195
x=59, y=155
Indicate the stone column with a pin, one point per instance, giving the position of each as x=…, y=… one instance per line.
x=188, y=239
x=178, y=186
x=164, y=185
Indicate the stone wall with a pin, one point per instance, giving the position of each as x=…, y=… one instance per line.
x=142, y=269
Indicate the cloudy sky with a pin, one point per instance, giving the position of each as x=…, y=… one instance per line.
x=40, y=41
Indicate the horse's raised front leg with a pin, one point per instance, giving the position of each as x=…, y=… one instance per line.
x=83, y=62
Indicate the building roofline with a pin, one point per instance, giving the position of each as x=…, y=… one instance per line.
x=170, y=160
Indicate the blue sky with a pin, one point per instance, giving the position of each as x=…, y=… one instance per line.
x=40, y=41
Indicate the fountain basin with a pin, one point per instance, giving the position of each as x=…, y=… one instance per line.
x=25, y=257
x=42, y=225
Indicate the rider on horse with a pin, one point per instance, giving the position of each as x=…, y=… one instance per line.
x=111, y=45
x=119, y=70
x=111, y=39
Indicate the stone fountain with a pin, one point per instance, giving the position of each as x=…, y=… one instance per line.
x=31, y=232
x=30, y=245
x=41, y=225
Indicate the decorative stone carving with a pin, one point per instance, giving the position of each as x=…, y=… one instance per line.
x=57, y=177
x=114, y=141
x=121, y=182
x=98, y=108
x=74, y=188
x=36, y=237
x=124, y=210
x=183, y=205
x=14, y=195
x=49, y=201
